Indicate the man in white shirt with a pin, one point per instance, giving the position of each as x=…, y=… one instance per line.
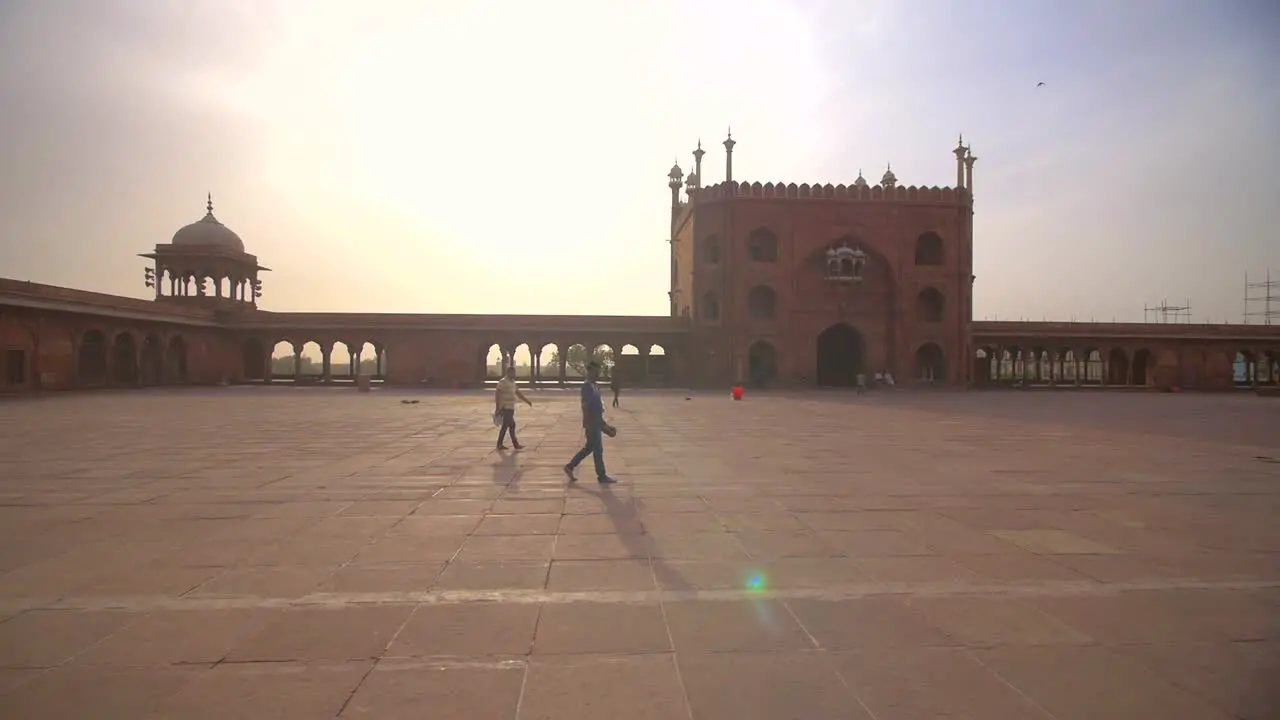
x=504, y=404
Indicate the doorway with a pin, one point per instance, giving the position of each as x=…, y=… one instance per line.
x=840, y=356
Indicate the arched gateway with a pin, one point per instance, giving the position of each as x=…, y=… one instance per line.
x=841, y=353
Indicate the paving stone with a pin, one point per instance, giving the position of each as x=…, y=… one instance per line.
x=74, y=692
x=467, y=630
x=768, y=686
x=902, y=682
x=1093, y=683
x=513, y=575
x=741, y=626
x=322, y=634
x=173, y=637
x=260, y=691
x=644, y=687
x=44, y=638
x=268, y=582
x=398, y=690
x=979, y=555
x=589, y=575
x=869, y=624
x=1053, y=542
x=991, y=622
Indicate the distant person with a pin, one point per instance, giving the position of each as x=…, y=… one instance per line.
x=504, y=402
x=594, y=427
x=616, y=386
x=860, y=383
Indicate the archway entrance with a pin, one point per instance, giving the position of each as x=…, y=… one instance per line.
x=762, y=363
x=931, y=364
x=840, y=356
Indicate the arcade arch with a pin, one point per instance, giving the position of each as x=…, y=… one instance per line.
x=176, y=360
x=124, y=360
x=152, y=362
x=91, y=359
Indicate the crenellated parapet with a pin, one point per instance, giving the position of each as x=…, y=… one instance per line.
x=872, y=193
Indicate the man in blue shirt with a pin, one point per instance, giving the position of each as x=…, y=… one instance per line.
x=594, y=425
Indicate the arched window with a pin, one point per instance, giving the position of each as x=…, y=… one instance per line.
x=929, y=249
x=762, y=303
x=711, y=249
x=710, y=310
x=762, y=245
x=929, y=305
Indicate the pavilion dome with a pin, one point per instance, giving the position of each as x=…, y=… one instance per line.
x=206, y=232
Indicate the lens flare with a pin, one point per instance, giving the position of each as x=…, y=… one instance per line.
x=756, y=582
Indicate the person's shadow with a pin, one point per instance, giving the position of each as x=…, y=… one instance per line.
x=622, y=514
x=505, y=470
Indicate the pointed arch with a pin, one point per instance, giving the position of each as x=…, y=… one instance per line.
x=762, y=303
x=762, y=245
x=929, y=249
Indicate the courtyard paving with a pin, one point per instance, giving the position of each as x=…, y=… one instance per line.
x=318, y=553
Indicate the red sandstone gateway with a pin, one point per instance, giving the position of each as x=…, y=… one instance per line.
x=775, y=284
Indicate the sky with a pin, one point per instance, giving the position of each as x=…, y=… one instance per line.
x=511, y=157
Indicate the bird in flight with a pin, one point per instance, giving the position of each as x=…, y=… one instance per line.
x=1040, y=84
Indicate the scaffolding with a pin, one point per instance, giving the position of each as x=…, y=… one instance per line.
x=1166, y=313
x=1261, y=300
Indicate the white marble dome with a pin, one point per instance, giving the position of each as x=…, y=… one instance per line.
x=208, y=232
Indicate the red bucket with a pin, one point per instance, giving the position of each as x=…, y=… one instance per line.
x=737, y=392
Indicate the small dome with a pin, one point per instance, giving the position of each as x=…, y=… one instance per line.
x=889, y=178
x=676, y=173
x=207, y=231
x=861, y=181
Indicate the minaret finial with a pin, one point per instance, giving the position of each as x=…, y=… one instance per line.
x=209, y=203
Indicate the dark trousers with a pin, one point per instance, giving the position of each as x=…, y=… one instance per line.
x=508, y=423
x=594, y=448
x=616, y=393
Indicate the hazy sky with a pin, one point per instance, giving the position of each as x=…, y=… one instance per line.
x=507, y=156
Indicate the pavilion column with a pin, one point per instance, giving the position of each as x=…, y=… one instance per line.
x=297, y=364
x=326, y=363
x=564, y=363
x=644, y=365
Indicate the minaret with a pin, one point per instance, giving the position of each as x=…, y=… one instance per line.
x=673, y=182
x=960, y=152
x=969, y=160
x=697, y=163
x=728, y=157
x=889, y=181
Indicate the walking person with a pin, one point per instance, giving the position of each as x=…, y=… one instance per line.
x=504, y=404
x=615, y=385
x=594, y=426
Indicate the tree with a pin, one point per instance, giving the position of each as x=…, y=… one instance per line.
x=577, y=360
